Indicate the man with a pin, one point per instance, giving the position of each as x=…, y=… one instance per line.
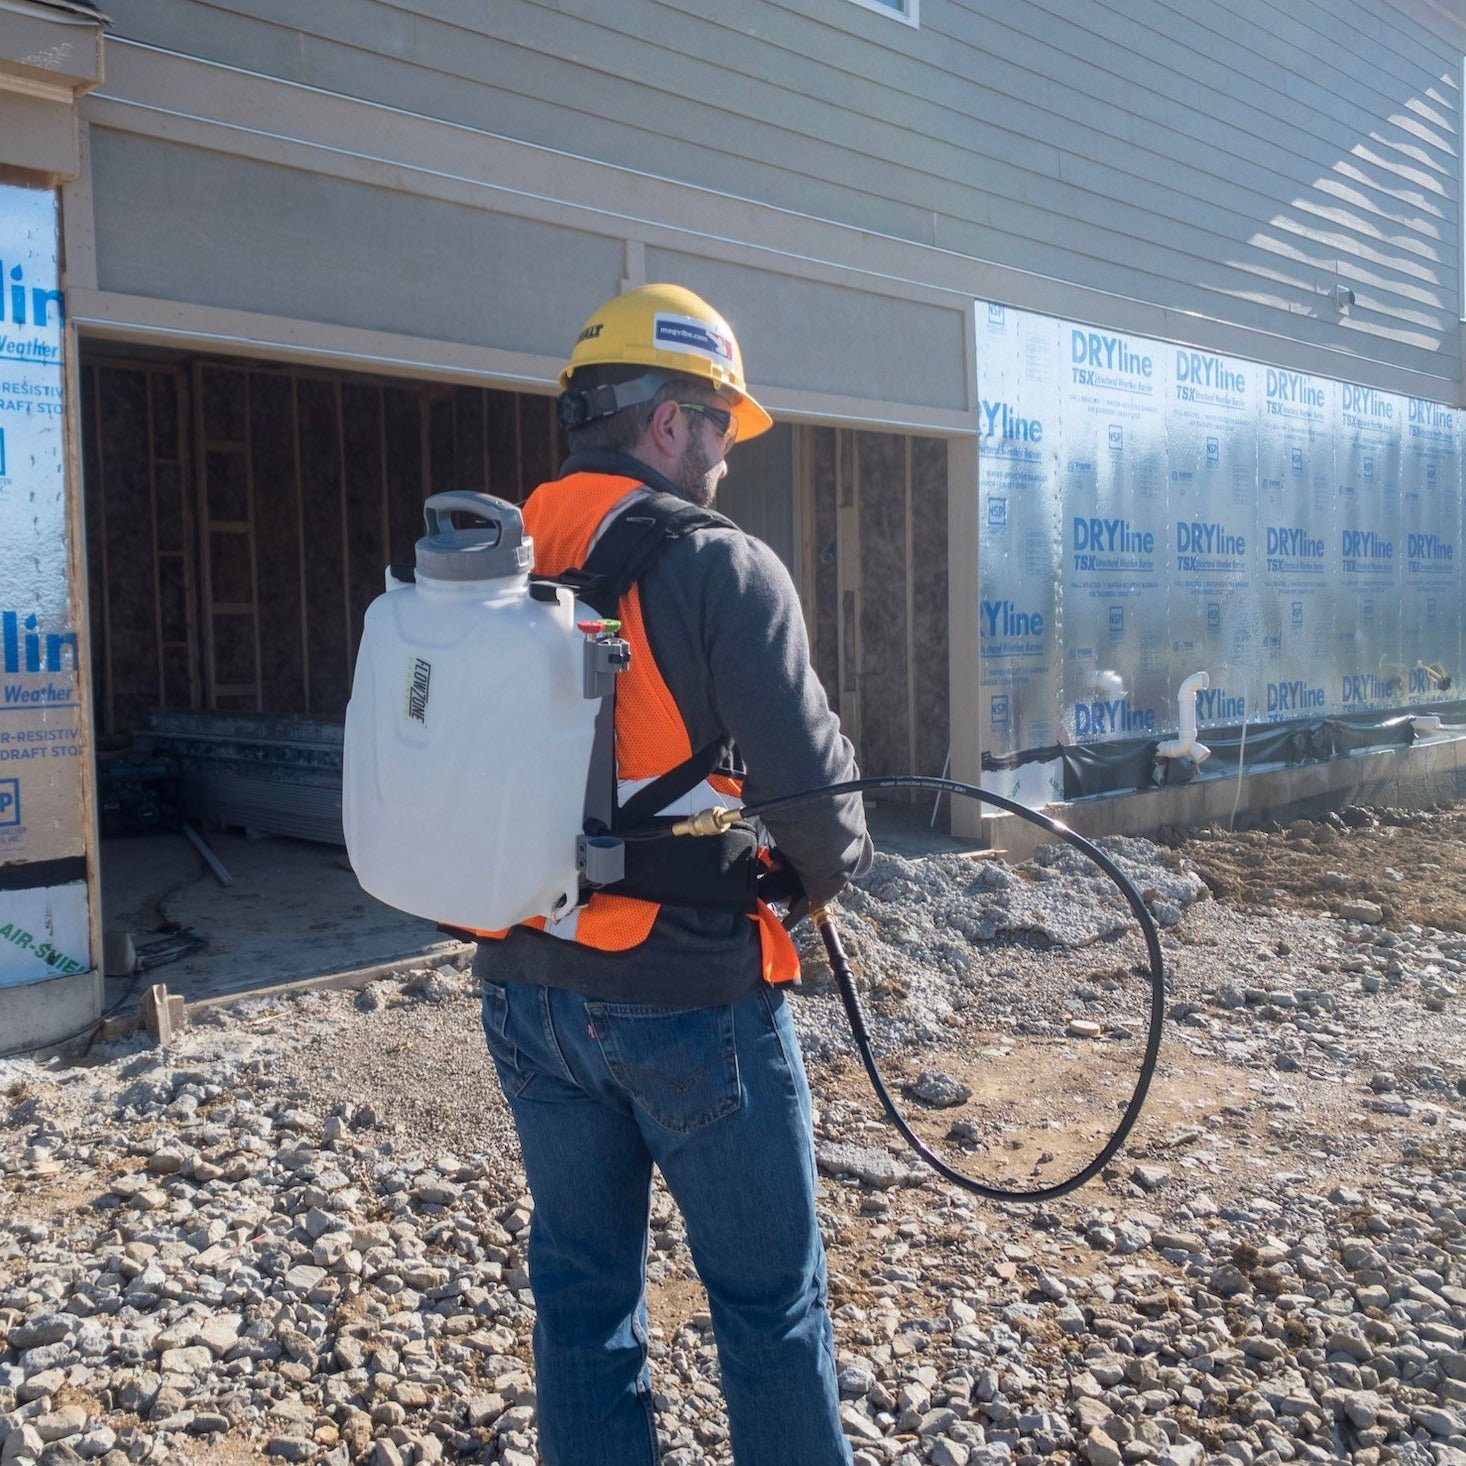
x=651, y=1029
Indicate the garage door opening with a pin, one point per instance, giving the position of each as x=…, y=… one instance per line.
x=239, y=516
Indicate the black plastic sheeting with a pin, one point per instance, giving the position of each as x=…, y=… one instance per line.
x=1130, y=764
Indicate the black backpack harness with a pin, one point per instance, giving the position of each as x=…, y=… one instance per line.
x=714, y=872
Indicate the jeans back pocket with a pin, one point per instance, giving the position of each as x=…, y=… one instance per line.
x=514, y=1071
x=679, y=1068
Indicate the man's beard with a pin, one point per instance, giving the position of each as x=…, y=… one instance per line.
x=696, y=475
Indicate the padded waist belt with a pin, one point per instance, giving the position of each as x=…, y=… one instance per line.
x=715, y=872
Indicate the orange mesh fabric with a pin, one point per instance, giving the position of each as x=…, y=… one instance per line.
x=616, y=923
x=562, y=517
x=650, y=738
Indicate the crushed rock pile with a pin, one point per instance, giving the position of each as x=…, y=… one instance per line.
x=921, y=932
x=298, y=1233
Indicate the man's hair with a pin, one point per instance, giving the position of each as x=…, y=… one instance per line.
x=619, y=431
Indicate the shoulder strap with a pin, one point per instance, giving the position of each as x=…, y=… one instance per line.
x=632, y=543
x=628, y=547
x=676, y=782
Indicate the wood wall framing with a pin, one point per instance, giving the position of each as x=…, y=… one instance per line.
x=140, y=540
x=875, y=577
x=239, y=518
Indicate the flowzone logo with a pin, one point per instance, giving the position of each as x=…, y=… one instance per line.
x=417, y=690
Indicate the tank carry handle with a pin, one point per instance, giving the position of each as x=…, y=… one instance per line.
x=501, y=513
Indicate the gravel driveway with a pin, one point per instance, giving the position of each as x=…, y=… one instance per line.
x=298, y=1232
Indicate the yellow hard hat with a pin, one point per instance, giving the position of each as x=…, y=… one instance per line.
x=668, y=328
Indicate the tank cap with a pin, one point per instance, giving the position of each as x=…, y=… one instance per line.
x=496, y=548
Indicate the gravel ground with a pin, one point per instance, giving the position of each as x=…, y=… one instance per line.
x=298, y=1232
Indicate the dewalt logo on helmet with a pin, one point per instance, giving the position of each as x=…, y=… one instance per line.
x=686, y=333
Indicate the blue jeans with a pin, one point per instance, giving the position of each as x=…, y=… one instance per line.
x=716, y=1098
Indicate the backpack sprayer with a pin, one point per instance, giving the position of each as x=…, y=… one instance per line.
x=478, y=704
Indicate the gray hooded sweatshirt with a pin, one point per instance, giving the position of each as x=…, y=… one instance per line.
x=725, y=627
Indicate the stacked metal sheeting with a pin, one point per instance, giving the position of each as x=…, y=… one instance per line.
x=255, y=771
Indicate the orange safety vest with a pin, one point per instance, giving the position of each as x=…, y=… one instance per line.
x=563, y=517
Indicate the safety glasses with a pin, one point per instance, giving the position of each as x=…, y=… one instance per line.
x=723, y=421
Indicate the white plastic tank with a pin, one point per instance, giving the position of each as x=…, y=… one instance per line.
x=469, y=732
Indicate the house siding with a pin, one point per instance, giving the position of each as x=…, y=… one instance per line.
x=1232, y=163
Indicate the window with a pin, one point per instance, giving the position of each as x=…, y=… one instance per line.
x=902, y=10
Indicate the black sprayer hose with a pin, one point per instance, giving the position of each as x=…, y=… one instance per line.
x=824, y=920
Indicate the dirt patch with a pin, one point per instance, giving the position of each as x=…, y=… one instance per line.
x=1412, y=864
x=1040, y=1111
x=227, y=1451
x=675, y=1300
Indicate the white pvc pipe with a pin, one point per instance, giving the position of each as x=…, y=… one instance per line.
x=1186, y=745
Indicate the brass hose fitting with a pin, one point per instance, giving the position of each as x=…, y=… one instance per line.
x=709, y=821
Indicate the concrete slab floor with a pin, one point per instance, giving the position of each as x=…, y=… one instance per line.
x=907, y=829
x=293, y=910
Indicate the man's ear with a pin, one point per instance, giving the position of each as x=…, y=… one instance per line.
x=662, y=425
